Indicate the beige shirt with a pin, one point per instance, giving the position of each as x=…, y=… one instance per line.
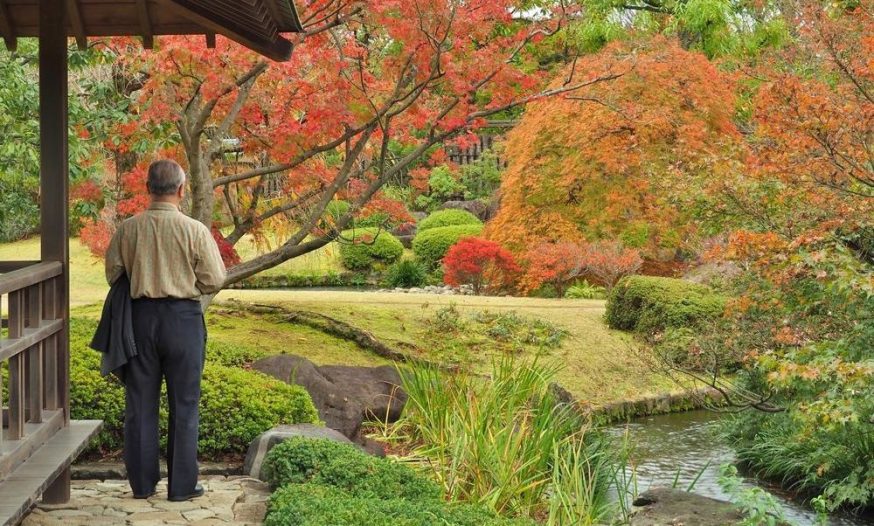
x=166, y=254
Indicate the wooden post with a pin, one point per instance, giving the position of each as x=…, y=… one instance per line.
x=54, y=187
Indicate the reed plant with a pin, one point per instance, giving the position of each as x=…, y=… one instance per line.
x=506, y=442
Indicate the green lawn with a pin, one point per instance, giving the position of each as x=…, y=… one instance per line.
x=87, y=280
x=318, y=262
x=599, y=365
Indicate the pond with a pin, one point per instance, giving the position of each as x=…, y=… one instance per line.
x=687, y=442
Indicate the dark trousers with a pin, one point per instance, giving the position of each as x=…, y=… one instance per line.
x=170, y=335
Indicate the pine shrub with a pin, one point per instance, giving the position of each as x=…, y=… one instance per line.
x=366, y=248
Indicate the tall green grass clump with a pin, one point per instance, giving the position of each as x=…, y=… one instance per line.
x=506, y=442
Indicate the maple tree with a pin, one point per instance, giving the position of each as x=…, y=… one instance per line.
x=622, y=161
x=818, y=129
x=480, y=263
x=364, y=78
x=609, y=261
x=799, y=224
x=555, y=263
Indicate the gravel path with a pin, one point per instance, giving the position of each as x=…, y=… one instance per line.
x=228, y=500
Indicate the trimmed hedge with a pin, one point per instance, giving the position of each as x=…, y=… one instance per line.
x=236, y=405
x=363, y=248
x=648, y=304
x=449, y=217
x=301, y=460
x=325, y=482
x=431, y=245
x=331, y=279
x=317, y=505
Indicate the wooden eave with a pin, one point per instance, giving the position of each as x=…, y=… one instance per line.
x=256, y=24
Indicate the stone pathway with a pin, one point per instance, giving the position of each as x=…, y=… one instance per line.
x=228, y=500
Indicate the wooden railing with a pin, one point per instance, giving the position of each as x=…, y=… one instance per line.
x=33, y=352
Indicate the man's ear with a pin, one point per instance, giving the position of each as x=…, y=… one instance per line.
x=181, y=192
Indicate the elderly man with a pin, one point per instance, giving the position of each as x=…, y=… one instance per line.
x=171, y=261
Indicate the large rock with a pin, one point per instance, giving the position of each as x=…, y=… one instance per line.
x=670, y=507
x=345, y=396
x=269, y=439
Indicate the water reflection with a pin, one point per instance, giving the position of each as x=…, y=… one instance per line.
x=682, y=445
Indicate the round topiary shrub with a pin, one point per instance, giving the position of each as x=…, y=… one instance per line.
x=365, y=248
x=303, y=460
x=450, y=217
x=649, y=304
x=236, y=404
x=431, y=245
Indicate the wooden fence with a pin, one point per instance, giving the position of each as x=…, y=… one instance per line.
x=474, y=152
x=34, y=354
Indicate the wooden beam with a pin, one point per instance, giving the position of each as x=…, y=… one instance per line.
x=274, y=10
x=6, y=28
x=11, y=266
x=277, y=49
x=30, y=275
x=54, y=173
x=210, y=40
x=77, y=25
x=145, y=24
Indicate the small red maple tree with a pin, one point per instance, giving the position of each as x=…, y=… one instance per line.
x=484, y=265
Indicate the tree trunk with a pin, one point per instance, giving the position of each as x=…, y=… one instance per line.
x=200, y=180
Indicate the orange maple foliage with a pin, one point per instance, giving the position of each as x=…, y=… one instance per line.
x=617, y=160
x=557, y=264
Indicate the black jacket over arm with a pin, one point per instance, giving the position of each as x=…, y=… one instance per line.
x=114, y=337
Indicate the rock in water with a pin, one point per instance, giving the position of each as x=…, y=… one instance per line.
x=671, y=507
x=266, y=441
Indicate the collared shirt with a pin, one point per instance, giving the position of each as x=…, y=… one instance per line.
x=166, y=254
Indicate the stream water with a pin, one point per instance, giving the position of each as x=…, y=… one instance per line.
x=687, y=442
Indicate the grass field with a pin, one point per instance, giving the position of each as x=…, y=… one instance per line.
x=599, y=365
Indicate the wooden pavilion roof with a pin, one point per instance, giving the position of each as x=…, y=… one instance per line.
x=256, y=24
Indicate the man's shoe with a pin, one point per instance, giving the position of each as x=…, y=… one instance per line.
x=198, y=492
x=145, y=495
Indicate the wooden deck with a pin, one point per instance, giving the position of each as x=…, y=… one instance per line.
x=22, y=489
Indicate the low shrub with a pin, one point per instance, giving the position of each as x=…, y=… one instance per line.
x=317, y=505
x=331, y=279
x=449, y=217
x=406, y=273
x=648, y=304
x=362, y=249
x=431, y=245
x=236, y=404
x=232, y=355
x=324, y=462
x=585, y=291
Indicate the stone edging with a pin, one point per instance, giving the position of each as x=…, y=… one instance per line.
x=117, y=471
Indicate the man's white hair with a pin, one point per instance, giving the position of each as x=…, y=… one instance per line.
x=165, y=177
